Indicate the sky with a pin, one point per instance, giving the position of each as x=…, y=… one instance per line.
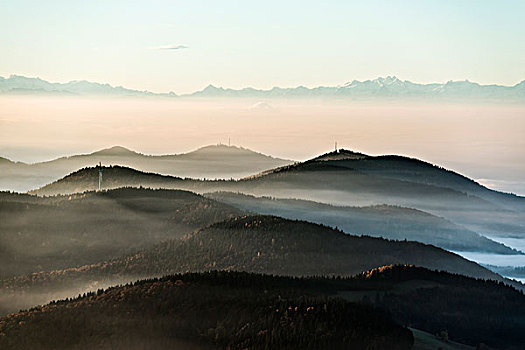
x=183, y=46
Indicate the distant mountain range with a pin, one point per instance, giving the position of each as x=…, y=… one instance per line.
x=20, y=85
x=381, y=88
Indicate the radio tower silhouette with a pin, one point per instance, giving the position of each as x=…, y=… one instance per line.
x=100, y=175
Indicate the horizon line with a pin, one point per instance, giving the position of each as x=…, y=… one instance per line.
x=251, y=87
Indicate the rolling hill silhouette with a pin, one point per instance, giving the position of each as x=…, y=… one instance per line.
x=217, y=161
x=344, y=178
x=261, y=244
x=386, y=221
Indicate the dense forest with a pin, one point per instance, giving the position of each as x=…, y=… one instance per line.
x=202, y=311
x=244, y=310
x=40, y=234
x=466, y=310
x=262, y=244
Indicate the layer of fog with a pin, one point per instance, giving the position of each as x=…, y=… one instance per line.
x=500, y=260
x=482, y=141
x=517, y=243
x=494, y=259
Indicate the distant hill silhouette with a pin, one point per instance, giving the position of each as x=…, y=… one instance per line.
x=216, y=161
x=345, y=178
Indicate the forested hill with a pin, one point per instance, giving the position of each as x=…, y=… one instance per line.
x=457, y=307
x=87, y=179
x=275, y=245
x=418, y=171
x=241, y=310
x=392, y=222
x=262, y=244
x=204, y=311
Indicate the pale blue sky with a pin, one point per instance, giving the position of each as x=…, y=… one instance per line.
x=262, y=43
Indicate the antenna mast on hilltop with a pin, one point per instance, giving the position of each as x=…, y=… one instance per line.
x=336, y=146
x=228, y=142
x=99, y=176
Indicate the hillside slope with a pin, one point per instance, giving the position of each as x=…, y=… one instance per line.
x=241, y=310
x=203, y=311
x=262, y=244
x=415, y=170
x=329, y=179
x=38, y=234
x=390, y=222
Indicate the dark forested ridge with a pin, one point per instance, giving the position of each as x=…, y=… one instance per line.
x=386, y=221
x=466, y=310
x=262, y=244
x=242, y=310
x=86, y=179
x=39, y=234
x=203, y=311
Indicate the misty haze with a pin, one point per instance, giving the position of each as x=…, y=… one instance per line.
x=481, y=141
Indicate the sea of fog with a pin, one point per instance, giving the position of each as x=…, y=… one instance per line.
x=494, y=259
x=499, y=259
x=516, y=243
x=482, y=141
x=515, y=260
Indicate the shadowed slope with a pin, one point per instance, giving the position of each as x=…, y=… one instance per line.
x=209, y=308
x=390, y=222
x=203, y=311
x=54, y=233
x=262, y=244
